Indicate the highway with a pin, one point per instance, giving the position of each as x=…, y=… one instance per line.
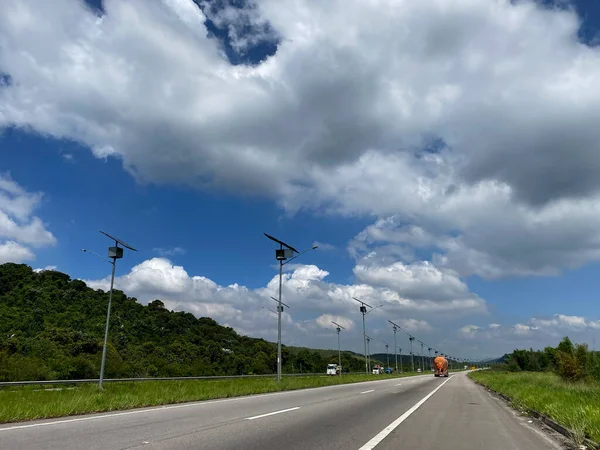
x=407, y=413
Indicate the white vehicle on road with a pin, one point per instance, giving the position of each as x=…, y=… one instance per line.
x=332, y=369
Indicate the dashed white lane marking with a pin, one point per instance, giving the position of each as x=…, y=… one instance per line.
x=392, y=426
x=202, y=403
x=399, y=384
x=366, y=392
x=273, y=413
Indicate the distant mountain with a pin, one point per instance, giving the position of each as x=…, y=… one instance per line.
x=52, y=327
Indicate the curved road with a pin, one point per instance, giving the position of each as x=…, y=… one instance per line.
x=405, y=413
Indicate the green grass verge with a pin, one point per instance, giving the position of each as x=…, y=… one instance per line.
x=28, y=403
x=575, y=406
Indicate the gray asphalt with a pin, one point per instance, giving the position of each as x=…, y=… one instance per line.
x=460, y=415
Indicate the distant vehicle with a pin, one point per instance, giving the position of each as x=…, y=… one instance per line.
x=440, y=364
x=333, y=369
x=419, y=370
x=377, y=369
x=466, y=367
x=389, y=370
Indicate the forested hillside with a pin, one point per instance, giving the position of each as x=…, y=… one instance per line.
x=52, y=327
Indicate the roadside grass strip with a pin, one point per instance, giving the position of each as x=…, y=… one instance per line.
x=575, y=406
x=38, y=402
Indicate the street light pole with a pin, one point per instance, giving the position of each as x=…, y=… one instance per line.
x=396, y=347
x=114, y=253
x=430, y=360
x=422, y=358
x=387, y=353
x=338, y=329
x=363, y=310
x=401, y=365
x=369, y=354
x=112, y=283
x=282, y=255
x=279, y=308
x=412, y=356
x=396, y=327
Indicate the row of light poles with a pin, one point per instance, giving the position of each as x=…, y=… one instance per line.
x=284, y=254
x=395, y=327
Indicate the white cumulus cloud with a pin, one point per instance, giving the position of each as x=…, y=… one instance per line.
x=11, y=251
x=314, y=302
x=20, y=229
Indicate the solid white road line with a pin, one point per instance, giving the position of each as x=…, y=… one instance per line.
x=392, y=426
x=366, y=392
x=272, y=413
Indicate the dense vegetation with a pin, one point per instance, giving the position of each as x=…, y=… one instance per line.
x=570, y=362
x=574, y=405
x=561, y=382
x=52, y=327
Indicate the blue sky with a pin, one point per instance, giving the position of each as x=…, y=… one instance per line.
x=467, y=236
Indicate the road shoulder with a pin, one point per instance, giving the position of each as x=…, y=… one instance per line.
x=464, y=415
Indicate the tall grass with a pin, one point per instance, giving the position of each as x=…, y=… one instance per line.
x=27, y=403
x=576, y=406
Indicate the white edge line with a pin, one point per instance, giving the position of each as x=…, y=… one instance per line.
x=366, y=392
x=273, y=413
x=187, y=405
x=392, y=426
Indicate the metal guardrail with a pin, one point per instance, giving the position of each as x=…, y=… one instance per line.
x=130, y=380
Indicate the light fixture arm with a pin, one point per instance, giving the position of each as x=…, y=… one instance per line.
x=300, y=254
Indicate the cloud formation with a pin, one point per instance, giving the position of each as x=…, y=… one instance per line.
x=314, y=301
x=559, y=325
x=175, y=251
x=471, y=122
x=20, y=229
x=466, y=128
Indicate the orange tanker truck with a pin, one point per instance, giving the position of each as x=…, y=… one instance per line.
x=440, y=365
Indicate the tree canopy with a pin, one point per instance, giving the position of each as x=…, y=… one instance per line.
x=571, y=362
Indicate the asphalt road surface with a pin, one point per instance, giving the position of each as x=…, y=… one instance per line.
x=419, y=412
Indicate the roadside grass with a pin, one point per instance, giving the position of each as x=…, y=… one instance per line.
x=44, y=402
x=576, y=406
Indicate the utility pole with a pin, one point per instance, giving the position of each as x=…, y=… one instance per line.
x=422, y=358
